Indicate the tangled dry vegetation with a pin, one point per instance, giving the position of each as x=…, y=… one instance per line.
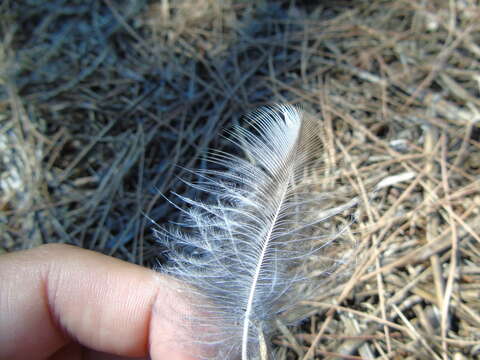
x=105, y=103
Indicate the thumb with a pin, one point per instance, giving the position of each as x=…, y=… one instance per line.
x=54, y=294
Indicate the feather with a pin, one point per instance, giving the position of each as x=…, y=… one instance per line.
x=243, y=254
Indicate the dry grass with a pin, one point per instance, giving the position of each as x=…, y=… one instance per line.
x=103, y=103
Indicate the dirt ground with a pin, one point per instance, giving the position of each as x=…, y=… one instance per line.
x=104, y=105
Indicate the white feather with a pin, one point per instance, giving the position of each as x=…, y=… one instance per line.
x=243, y=255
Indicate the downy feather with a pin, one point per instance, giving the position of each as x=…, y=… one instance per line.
x=243, y=254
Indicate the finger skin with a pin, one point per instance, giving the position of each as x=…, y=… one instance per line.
x=56, y=293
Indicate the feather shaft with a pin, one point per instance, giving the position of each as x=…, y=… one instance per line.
x=246, y=324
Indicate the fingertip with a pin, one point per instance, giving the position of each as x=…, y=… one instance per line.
x=56, y=292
